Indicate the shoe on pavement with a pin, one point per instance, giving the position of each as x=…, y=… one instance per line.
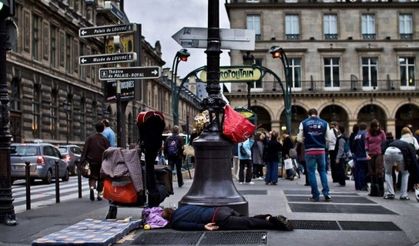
x=92, y=194
x=404, y=198
x=312, y=199
x=241, y=183
x=389, y=197
x=327, y=198
x=251, y=182
x=282, y=223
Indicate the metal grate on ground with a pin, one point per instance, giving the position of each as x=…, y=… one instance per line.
x=234, y=238
x=307, y=192
x=165, y=237
x=253, y=192
x=335, y=199
x=338, y=208
x=368, y=226
x=315, y=225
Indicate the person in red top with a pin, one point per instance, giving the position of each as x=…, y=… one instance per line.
x=373, y=142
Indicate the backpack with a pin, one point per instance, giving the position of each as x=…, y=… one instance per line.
x=347, y=155
x=172, y=147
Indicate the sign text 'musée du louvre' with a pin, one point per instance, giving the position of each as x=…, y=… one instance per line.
x=236, y=74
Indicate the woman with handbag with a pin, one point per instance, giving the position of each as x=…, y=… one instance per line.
x=93, y=149
x=273, y=151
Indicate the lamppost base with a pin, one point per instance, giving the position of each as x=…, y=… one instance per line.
x=213, y=185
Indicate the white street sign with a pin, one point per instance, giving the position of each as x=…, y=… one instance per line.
x=96, y=31
x=107, y=58
x=127, y=73
x=235, y=39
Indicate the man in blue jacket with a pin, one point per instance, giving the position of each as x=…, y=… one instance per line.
x=314, y=133
x=193, y=217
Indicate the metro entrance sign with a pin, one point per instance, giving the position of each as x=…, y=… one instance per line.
x=107, y=58
x=127, y=73
x=236, y=74
x=235, y=39
x=96, y=31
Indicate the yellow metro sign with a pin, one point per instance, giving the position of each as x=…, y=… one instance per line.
x=236, y=74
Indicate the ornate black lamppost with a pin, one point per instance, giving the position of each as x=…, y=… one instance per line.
x=248, y=59
x=278, y=52
x=212, y=184
x=181, y=55
x=7, y=211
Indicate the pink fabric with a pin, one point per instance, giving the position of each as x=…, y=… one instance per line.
x=373, y=143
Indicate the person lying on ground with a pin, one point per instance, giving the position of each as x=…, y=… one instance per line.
x=193, y=217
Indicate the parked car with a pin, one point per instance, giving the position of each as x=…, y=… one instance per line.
x=71, y=154
x=42, y=158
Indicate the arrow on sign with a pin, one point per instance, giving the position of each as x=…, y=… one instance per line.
x=126, y=73
x=108, y=58
x=235, y=39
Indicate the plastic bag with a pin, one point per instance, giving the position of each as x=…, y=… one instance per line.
x=120, y=191
x=236, y=127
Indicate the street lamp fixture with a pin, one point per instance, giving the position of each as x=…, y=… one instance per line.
x=249, y=60
x=181, y=55
x=278, y=52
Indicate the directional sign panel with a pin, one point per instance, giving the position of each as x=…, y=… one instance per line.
x=107, y=58
x=126, y=73
x=236, y=74
x=96, y=31
x=235, y=39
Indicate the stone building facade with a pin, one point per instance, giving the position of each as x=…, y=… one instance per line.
x=55, y=99
x=352, y=60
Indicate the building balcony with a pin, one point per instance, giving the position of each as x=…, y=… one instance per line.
x=331, y=36
x=406, y=36
x=316, y=87
x=292, y=36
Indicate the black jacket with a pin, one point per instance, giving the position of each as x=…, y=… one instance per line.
x=409, y=156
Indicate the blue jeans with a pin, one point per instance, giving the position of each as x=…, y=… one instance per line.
x=317, y=162
x=271, y=172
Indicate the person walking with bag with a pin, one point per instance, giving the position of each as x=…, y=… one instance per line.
x=313, y=131
x=173, y=150
x=342, y=154
x=257, y=155
x=93, y=149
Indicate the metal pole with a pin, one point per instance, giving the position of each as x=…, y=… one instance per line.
x=7, y=211
x=175, y=94
x=118, y=114
x=28, y=185
x=79, y=179
x=212, y=183
x=57, y=183
x=287, y=94
x=248, y=95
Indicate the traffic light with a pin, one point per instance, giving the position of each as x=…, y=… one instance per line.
x=6, y=8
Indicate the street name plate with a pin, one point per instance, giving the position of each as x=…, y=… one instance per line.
x=96, y=31
x=108, y=58
x=129, y=73
x=236, y=74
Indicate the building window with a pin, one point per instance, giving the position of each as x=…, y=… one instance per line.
x=62, y=49
x=369, y=72
x=54, y=114
x=330, y=27
x=292, y=27
x=406, y=29
x=295, y=67
x=36, y=111
x=45, y=41
x=27, y=32
x=76, y=53
x=15, y=94
x=253, y=23
x=257, y=85
x=368, y=26
x=36, y=32
x=252, y=1
x=331, y=72
x=407, y=71
x=68, y=42
x=53, y=43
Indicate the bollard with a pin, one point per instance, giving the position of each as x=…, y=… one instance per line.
x=78, y=178
x=28, y=185
x=57, y=183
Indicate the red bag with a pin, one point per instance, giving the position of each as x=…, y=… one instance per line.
x=236, y=127
x=120, y=191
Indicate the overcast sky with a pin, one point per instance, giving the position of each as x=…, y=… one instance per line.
x=160, y=19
